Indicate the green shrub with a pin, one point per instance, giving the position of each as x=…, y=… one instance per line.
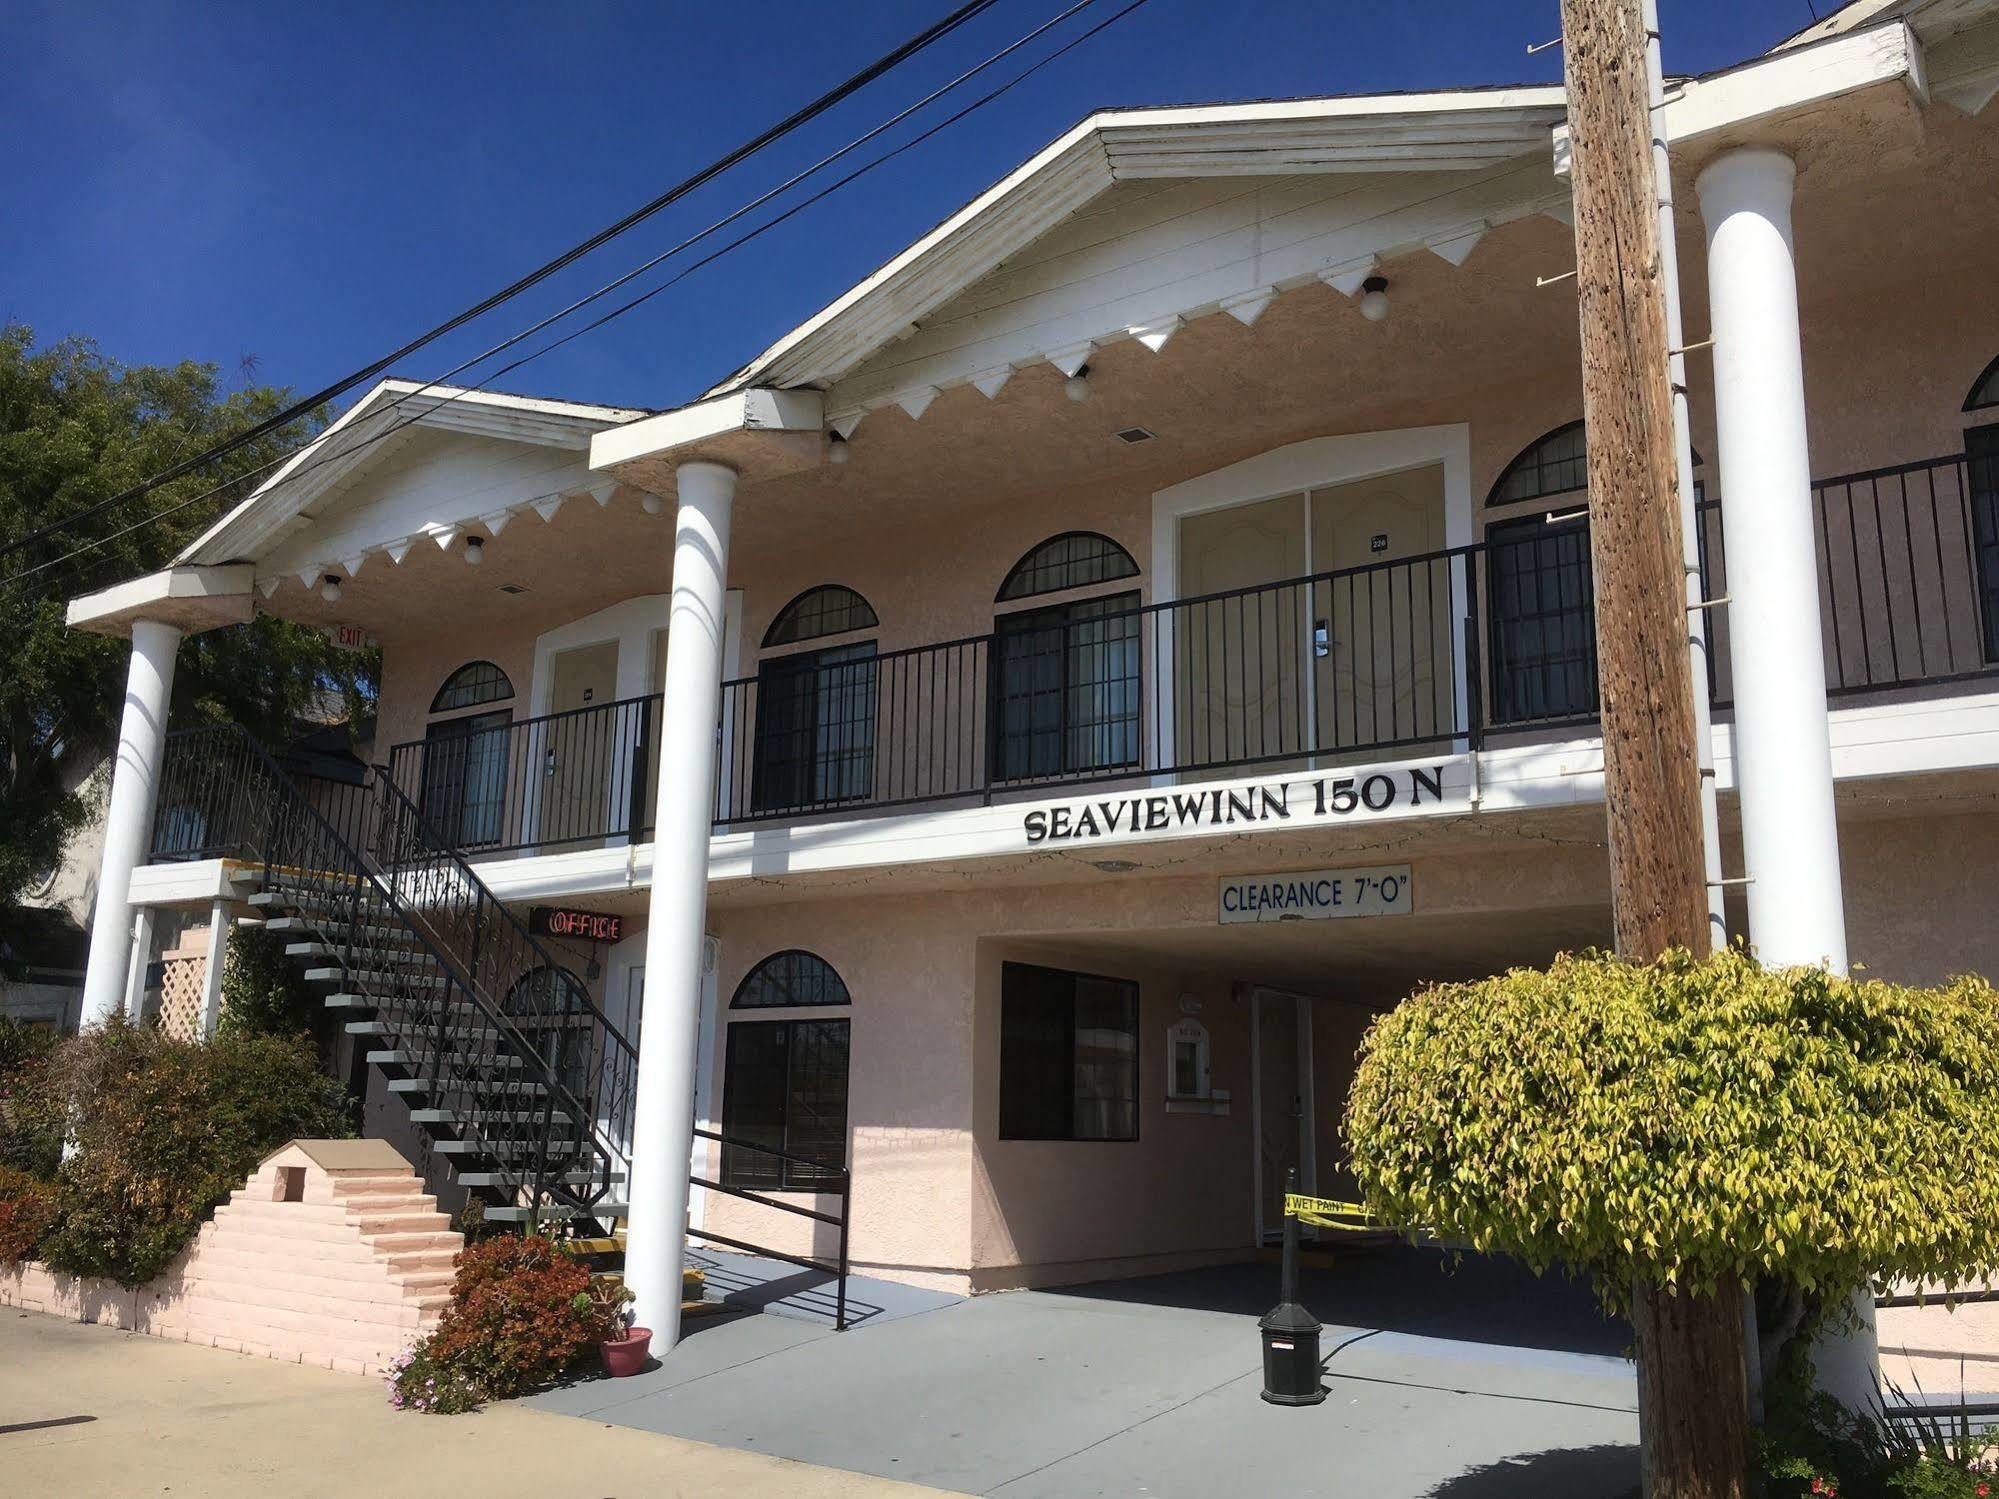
x=164, y=1130
x=31, y=1130
x=1811, y=1446
x=515, y=1321
x=1691, y=1122
x=27, y=1208
x=265, y=994
x=418, y=1382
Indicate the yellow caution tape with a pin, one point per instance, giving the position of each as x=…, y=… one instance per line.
x=1326, y=1212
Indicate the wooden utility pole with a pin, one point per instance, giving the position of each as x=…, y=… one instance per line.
x=1692, y=1384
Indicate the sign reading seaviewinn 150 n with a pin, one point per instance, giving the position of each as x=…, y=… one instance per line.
x=1329, y=797
x=1318, y=894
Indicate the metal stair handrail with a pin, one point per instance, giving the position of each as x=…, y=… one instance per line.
x=503, y=946
x=282, y=826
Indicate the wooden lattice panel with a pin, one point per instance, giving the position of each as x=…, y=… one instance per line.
x=186, y=976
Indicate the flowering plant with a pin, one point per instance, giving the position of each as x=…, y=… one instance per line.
x=418, y=1382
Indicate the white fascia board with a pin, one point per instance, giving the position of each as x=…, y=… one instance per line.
x=192, y=597
x=1090, y=148
x=195, y=883
x=1783, y=83
x=756, y=410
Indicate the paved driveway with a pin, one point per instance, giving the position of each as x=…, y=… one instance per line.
x=1478, y=1385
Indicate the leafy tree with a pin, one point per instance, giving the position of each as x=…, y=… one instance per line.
x=75, y=428
x=265, y=994
x=1681, y=1129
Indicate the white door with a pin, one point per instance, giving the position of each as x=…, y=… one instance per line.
x=579, y=748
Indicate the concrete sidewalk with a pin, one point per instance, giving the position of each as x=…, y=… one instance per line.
x=92, y=1411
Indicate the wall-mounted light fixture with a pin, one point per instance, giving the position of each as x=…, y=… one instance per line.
x=329, y=588
x=475, y=551
x=836, y=448
x=1374, y=298
x=1077, y=386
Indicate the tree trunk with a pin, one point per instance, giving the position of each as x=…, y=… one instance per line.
x=1693, y=1397
x=1693, y=1392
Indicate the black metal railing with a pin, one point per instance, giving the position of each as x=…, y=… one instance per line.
x=1405, y=655
x=524, y=1069
x=836, y=1182
x=553, y=782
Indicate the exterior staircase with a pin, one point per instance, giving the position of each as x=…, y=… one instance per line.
x=520, y=1082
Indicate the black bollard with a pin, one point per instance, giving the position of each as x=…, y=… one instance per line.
x=1290, y=1333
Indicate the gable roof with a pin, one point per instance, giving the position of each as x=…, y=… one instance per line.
x=1460, y=130
x=378, y=424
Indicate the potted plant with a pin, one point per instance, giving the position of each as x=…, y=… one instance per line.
x=623, y=1347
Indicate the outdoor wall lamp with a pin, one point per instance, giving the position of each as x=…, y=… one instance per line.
x=1077, y=386
x=475, y=551
x=329, y=588
x=1374, y=298
x=652, y=504
x=836, y=448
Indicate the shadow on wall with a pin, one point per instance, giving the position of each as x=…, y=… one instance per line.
x=1606, y=1472
x=1400, y=1288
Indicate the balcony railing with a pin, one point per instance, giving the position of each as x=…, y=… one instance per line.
x=1438, y=651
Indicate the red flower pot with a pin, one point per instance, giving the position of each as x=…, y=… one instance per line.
x=627, y=1355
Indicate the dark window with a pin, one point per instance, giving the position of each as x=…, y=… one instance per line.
x=465, y=780
x=474, y=683
x=815, y=741
x=1543, y=620
x=1069, y=684
x=1981, y=450
x=826, y=610
x=790, y=978
x=1075, y=559
x=552, y=1008
x=1985, y=389
x=1554, y=464
x=1068, y=1055
x=784, y=1087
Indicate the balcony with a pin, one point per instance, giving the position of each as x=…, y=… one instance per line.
x=1448, y=650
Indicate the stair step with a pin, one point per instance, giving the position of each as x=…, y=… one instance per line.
x=407, y=956
x=367, y=1028
x=513, y=1213
x=512, y=1179
x=424, y=1085
x=504, y=1149
x=484, y=1116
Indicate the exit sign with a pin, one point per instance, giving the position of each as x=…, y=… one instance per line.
x=348, y=637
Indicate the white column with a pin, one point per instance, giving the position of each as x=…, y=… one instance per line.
x=1783, y=752
x=219, y=922
x=128, y=822
x=662, y=1130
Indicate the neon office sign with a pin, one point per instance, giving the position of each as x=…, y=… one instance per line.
x=1306, y=800
x=580, y=926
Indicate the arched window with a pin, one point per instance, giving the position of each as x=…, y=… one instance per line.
x=828, y=609
x=784, y=1082
x=474, y=683
x=1554, y=464
x=548, y=1004
x=1985, y=389
x=1069, y=673
x=1981, y=454
x=815, y=735
x=1075, y=559
x=463, y=794
x=790, y=978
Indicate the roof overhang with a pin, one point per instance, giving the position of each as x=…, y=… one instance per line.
x=758, y=433
x=1457, y=131
x=1745, y=103
x=192, y=599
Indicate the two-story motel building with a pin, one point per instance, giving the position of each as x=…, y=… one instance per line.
x=1131, y=640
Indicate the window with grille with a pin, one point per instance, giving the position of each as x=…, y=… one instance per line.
x=784, y=1087
x=1981, y=452
x=815, y=736
x=1555, y=464
x=1075, y=559
x=1068, y=1055
x=463, y=797
x=1543, y=620
x=1070, y=680
x=472, y=684
x=786, y=979
x=826, y=610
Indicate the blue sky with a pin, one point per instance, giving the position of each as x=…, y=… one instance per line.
x=312, y=185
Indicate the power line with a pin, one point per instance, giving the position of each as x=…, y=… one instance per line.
x=627, y=306
x=541, y=273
